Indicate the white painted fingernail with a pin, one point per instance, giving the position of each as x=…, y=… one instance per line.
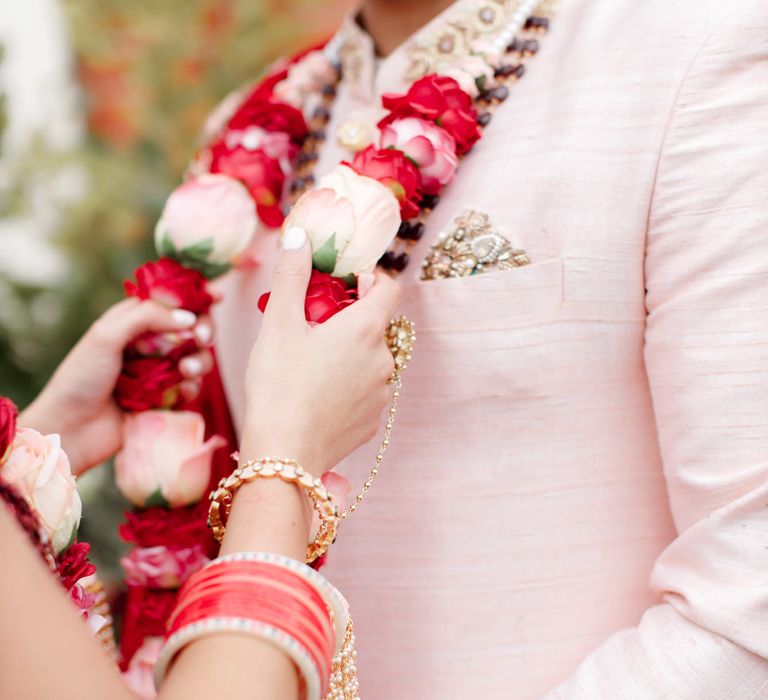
x=183, y=318
x=294, y=238
x=193, y=366
x=204, y=333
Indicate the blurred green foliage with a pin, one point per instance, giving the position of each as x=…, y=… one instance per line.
x=150, y=72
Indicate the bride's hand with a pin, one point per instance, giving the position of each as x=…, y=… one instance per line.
x=77, y=402
x=316, y=393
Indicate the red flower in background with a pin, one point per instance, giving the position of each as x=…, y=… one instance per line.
x=8, y=415
x=262, y=175
x=393, y=169
x=148, y=382
x=152, y=527
x=441, y=100
x=270, y=116
x=146, y=612
x=168, y=282
x=73, y=564
x=326, y=296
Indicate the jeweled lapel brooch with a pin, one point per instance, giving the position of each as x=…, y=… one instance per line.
x=471, y=246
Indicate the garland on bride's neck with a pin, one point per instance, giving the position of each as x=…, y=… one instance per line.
x=258, y=166
x=38, y=488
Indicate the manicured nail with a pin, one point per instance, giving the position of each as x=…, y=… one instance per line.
x=204, y=333
x=183, y=318
x=294, y=238
x=193, y=366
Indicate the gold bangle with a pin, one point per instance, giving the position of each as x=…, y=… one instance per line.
x=289, y=471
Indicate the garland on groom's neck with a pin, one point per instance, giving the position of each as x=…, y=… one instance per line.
x=258, y=166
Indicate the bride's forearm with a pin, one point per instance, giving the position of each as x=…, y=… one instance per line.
x=267, y=515
x=54, y=654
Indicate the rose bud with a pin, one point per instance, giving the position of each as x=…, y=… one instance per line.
x=350, y=219
x=39, y=470
x=165, y=459
x=207, y=223
x=432, y=149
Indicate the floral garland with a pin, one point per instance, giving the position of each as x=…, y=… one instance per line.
x=257, y=165
x=37, y=486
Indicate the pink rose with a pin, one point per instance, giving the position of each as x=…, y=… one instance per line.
x=164, y=460
x=433, y=149
x=162, y=567
x=208, y=221
x=275, y=144
x=350, y=219
x=39, y=470
x=140, y=674
x=469, y=71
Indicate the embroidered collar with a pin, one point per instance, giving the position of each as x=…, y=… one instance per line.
x=465, y=28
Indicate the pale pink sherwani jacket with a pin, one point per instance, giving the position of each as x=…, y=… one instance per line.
x=575, y=503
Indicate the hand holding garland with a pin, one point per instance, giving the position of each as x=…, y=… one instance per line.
x=78, y=403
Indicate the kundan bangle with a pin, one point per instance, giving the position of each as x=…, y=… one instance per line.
x=279, y=600
x=289, y=471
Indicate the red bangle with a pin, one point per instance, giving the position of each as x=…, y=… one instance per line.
x=263, y=593
x=316, y=637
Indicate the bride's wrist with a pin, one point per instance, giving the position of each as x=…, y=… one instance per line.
x=269, y=515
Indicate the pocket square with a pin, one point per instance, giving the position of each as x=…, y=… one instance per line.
x=471, y=246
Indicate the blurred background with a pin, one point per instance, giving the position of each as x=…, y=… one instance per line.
x=101, y=103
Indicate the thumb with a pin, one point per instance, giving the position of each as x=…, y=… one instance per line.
x=289, y=284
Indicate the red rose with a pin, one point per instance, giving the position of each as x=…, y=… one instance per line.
x=170, y=283
x=152, y=527
x=326, y=296
x=262, y=175
x=146, y=612
x=393, y=169
x=441, y=100
x=73, y=564
x=8, y=415
x=148, y=382
x=269, y=115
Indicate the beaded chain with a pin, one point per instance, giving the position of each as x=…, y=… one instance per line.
x=517, y=49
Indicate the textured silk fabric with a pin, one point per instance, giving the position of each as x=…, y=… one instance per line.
x=575, y=503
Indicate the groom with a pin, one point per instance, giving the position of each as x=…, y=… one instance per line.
x=574, y=502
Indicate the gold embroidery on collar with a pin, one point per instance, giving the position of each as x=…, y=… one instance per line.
x=465, y=29
x=472, y=246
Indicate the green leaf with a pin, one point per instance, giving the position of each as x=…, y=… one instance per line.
x=72, y=538
x=200, y=250
x=209, y=270
x=325, y=258
x=196, y=258
x=166, y=247
x=156, y=498
x=480, y=83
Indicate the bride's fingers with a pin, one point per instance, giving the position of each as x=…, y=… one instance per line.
x=190, y=389
x=196, y=365
x=204, y=331
x=130, y=318
x=289, y=285
x=379, y=304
